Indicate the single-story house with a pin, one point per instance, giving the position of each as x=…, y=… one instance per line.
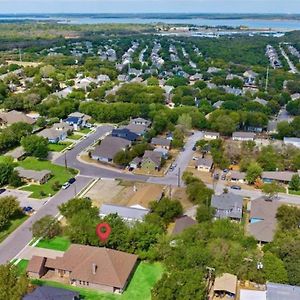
x=151, y=160
x=64, y=93
x=164, y=152
x=31, y=176
x=77, y=120
x=211, y=135
x=63, y=126
x=237, y=176
x=182, y=223
x=52, y=135
x=109, y=147
x=243, y=136
x=13, y=116
x=204, y=164
x=125, y=133
x=161, y=143
x=140, y=130
x=88, y=267
x=17, y=154
x=225, y=285
x=51, y=293
x=277, y=291
x=130, y=214
x=135, y=163
x=228, y=205
x=140, y=121
x=292, y=141
x=279, y=176
x=262, y=219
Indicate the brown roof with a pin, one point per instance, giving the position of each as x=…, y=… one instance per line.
x=183, y=223
x=264, y=212
x=112, y=267
x=227, y=282
x=36, y=264
x=155, y=157
x=278, y=175
x=14, y=116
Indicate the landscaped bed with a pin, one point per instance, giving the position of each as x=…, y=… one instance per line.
x=59, y=175
x=60, y=243
x=59, y=146
x=144, y=278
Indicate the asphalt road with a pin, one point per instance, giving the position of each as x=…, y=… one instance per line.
x=16, y=241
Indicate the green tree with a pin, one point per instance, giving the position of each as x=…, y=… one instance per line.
x=271, y=189
x=185, y=120
x=6, y=170
x=288, y=217
x=9, y=206
x=36, y=146
x=253, y=172
x=204, y=213
x=15, y=180
x=295, y=183
x=46, y=227
x=274, y=268
x=12, y=285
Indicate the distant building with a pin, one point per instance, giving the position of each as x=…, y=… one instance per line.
x=125, y=133
x=211, y=135
x=77, y=120
x=292, y=141
x=52, y=135
x=140, y=121
x=243, y=136
x=161, y=143
x=13, y=116
x=276, y=291
x=204, y=164
x=31, y=176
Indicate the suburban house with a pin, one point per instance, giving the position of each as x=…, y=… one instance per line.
x=236, y=176
x=262, y=219
x=164, y=152
x=109, y=147
x=51, y=293
x=225, y=286
x=161, y=143
x=88, y=267
x=13, y=116
x=135, y=163
x=64, y=92
x=52, y=135
x=277, y=290
x=131, y=214
x=279, y=176
x=250, y=77
x=218, y=104
x=292, y=141
x=140, y=130
x=151, y=160
x=17, y=154
x=31, y=176
x=211, y=135
x=204, y=164
x=252, y=294
x=125, y=133
x=63, y=126
x=182, y=223
x=140, y=121
x=243, y=136
x=77, y=120
x=228, y=205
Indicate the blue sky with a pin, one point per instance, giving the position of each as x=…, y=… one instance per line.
x=134, y=6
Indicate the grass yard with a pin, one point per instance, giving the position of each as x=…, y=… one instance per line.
x=59, y=146
x=13, y=225
x=144, y=278
x=85, y=130
x=60, y=243
x=22, y=265
x=75, y=137
x=59, y=174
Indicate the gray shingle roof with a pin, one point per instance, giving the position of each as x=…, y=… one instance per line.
x=51, y=293
x=207, y=162
x=160, y=142
x=128, y=213
x=276, y=291
x=227, y=205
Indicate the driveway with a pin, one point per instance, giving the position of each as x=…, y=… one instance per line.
x=30, y=251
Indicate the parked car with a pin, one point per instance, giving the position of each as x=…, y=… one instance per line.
x=72, y=180
x=173, y=166
x=235, y=187
x=28, y=210
x=194, y=148
x=2, y=191
x=65, y=185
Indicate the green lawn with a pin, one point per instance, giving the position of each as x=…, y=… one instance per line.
x=292, y=192
x=13, y=225
x=85, y=130
x=59, y=174
x=58, y=243
x=75, y=136
x=139, y=287
x=22, y=265
x=59, y=146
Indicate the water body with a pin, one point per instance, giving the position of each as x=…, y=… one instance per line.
x=274, y=24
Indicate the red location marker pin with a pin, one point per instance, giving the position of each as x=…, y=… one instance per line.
x=103, y=231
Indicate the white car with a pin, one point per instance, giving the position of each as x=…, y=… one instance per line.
x=65, y=185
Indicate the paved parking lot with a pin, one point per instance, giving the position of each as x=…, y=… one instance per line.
x=24, y=199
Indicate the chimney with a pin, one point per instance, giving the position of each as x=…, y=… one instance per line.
x=94, y=269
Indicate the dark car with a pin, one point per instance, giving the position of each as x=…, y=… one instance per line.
x=27, y=209
x=72, y=180
x=2, y=191
x=194, y=148
x=235, y=187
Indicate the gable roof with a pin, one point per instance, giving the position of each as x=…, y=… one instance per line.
x=32, y=174
x=14, y=116
x=155, y=157
x=125, y=133
x=132, y=213
x=228, y=205
x=227, y=282
x=182, y=223
x=161, y=142
x=241, y=134
x=112, y=267
x=50, y=133
x=51, y=293
x=207, y=162
x=36, y=264
x=110, y=146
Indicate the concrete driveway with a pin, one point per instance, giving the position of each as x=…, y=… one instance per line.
x=30, y=251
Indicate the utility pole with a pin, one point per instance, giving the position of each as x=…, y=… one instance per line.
x=178, y=177
x=66, y=164
x=267, y=80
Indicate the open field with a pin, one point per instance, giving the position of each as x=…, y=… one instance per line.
x=59, y=174
x=139, y=288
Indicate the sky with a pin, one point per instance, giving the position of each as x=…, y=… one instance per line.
x=156, y=6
